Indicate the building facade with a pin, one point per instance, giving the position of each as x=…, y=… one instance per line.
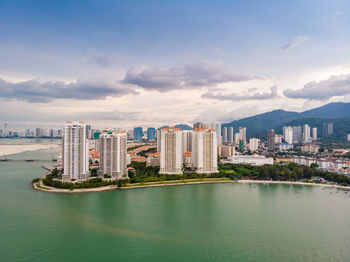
x=204, y=151
x=171, y=151
x=113, y=151
x=75, y=152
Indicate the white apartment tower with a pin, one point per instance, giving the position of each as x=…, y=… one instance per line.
x=314, y=133
x=204, y=151
x=113, y=151
x=306, y=133
x=75, y=152
x=288, y=134
x=253, y=144
x=171, y=151
x=217, y=127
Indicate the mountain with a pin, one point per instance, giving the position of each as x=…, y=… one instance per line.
x=275, y=119
x=332, y=110
x=181, y=126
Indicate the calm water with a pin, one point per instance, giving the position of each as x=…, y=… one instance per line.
x=222, y=222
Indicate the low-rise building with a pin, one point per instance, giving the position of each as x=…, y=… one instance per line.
x=310, y=148
x=153, y=159
x=226, y=151
x=256, y=160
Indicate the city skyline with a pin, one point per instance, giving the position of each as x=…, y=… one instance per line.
x=154, y=63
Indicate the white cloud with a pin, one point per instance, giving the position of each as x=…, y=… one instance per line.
x=295, y=42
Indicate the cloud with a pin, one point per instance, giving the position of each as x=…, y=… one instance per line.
x=202, y=74
x=295, y=42
x=239, y=97
x=35, y=91
x=104, y=60
x=323, y=90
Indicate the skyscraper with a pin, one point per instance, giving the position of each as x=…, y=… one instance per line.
x=224, y=135
x=217, y=127
x=306, y=133
x=113, y=151
x=271, y=140
x=314, y=133
x=151, y=134
x=288, y=134
x=230, y=136
x=187, y=140
x=88, y=130
x=198, y=125
x=243, y=134
x=171, y=151
x=75, y=152
x=327, y=129
x=138, y=134
x=204, y=151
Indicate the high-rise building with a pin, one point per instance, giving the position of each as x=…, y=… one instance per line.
x=204, y=150
x=138, y=134
x=217, y=127
x=230, y=136
x=224, y=135
x=75, y=152
x=6, y=131
x=306, y=133
x=171, y=151
x=271, y=140
x=113, y=151
x=187, y=140
x=348, y=137
x=314, y=133
x=236, y=142
x=88, y=131
x=198, y=125
x=243, y=134
x=38, y=132
x=297, y=132
x=253, y=144
x=288, y=134
x=327, y=129
x=151, y=134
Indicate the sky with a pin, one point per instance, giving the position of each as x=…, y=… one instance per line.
x=150, y=63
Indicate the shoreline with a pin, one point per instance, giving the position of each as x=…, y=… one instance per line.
x=41, y=187
x=18, y=149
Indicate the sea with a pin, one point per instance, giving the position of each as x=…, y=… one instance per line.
x=208, y=222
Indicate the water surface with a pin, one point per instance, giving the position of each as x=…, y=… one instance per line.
x=211, y=222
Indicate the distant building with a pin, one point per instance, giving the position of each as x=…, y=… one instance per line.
x=327, y=129
x=306, y=133
x=254, y=144
x=113, y=151
x=314, y=133
x=255, y=160
x=224, y=135
x=138, y=134
x=226, y=151
x=278, y=139
x=75, y=152
x=348, y=137
x=151, y=134
x=198, y=125
x=243, y=134
x=230, y=135
x=187, y=140
x=310, y=148
x=288, y=134
x=236, y=142
x=285, y=147
x=204, y=150
x=171, y=154
x=271, y=140
x=217, y=127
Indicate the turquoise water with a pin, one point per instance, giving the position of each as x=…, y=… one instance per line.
x=215, y=222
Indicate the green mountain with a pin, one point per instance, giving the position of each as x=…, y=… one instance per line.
x=276, y=119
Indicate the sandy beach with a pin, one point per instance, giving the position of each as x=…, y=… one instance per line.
x=15, y=149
